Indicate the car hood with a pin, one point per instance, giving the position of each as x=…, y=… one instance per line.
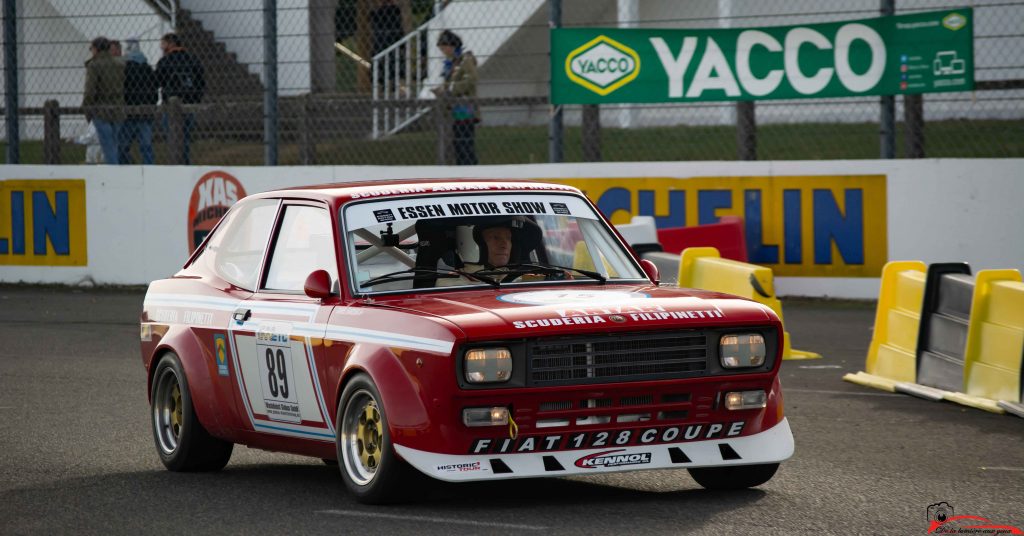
x=533, y=311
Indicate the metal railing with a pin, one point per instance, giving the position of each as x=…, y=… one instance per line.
x=400, y=74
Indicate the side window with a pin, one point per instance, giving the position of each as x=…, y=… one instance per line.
x=237, y=248
x=304, y=243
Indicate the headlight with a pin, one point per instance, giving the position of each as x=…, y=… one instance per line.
x=488, y=365
x=741, y=350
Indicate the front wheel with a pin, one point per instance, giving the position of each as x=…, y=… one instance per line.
x=734, y=476
x=366, y=455
x=181, y=441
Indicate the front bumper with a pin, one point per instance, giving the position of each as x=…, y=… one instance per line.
x=769, y=446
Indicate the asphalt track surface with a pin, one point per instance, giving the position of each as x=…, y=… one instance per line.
x=77, y=454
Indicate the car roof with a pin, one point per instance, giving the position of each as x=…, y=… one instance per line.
x=344, y=192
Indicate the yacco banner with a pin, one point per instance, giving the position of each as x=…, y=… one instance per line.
x=42, y=223
x=820, y=226
x=919, y=53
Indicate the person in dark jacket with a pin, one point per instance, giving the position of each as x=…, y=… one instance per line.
x=180, y=74
x=139, y=90
x=103, y=101
x=460, y=77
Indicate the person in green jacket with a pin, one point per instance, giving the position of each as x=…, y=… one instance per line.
x=104, y=96
x=460, y=76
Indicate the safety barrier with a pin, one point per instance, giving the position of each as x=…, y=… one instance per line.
x=726, y=236
x=994, y=358
x=892, y=354
x=967, y=335
x=641, y=234
x=704, y=268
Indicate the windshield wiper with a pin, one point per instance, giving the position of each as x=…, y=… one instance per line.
x=424, y=273
x=529, y=267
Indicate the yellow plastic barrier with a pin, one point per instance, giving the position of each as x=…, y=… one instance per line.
x=892, y=354
x=995, y=341
x=704, y=268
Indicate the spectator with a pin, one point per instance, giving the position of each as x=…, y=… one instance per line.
x=139, y=90
x=460, y=77
x=180, y=74
x=115, y=48
x=103, y=101
x=387, y=29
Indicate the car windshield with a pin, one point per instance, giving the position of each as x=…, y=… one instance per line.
x=486, y=239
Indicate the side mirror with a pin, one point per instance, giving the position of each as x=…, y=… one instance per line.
x=318, y=285
x=651, y=270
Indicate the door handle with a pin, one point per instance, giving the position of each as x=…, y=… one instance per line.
x=242, y=314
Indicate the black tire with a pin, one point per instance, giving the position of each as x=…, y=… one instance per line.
x=181, y=441
x=372, y=471
x=734, y=476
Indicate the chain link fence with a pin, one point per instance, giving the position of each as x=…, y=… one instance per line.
x=356, y=83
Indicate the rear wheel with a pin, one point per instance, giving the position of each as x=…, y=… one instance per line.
x=181, y=441
x=366, y=456
x=734, y=476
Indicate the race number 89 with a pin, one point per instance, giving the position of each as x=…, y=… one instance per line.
x=277, y=373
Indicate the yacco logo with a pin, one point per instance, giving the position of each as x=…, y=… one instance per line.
x=609, y=458
x=211, y=198
x=954, y=21
x=602, y=65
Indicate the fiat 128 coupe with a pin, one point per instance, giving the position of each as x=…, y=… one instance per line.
x=463, y=330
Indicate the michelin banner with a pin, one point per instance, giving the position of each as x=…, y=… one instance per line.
x=916, y=53
x=42, y=223
x=814, y=226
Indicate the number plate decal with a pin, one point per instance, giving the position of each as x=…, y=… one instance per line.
x=274, y=355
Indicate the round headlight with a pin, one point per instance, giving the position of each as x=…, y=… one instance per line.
x=739, y=350
x=488, y=365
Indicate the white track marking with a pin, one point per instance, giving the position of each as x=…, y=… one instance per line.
x=820, y=367
x=1015, y=469
x=431, y=519
x=826, y=392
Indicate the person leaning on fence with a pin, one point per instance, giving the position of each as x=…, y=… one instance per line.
x=180, y=74
x=139, y=90
x=460, y=76
x=103, y=101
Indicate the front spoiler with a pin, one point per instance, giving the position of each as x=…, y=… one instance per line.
x=770, y=446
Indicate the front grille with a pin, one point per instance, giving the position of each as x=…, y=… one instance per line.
x=616, y=357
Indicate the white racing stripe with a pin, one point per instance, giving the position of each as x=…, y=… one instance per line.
x=428, y=519
x=306, y=329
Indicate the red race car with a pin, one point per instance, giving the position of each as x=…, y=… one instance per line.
x=468, y=330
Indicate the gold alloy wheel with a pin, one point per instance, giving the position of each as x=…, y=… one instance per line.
x=370, y=436
x=168, y=410
x=362, y=437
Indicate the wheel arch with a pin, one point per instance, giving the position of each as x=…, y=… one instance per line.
x=184, y=344
x=403, y=400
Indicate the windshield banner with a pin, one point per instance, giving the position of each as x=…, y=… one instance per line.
x=917, y=53
x=361, y=215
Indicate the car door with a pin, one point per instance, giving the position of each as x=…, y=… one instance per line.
x=279, y=331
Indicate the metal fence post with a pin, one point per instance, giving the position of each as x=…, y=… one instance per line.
x=443, y=126
x=555, y=125
x=888, y=104
x=51, y=132
x=307, y=140
x=913, y=120
x=270, y=89
x=11, y=81
x=175, y=131
x=746, y=130
x=591, y=133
